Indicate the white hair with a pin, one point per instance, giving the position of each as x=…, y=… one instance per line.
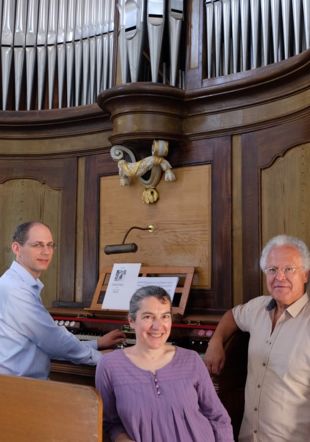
x=286, y=240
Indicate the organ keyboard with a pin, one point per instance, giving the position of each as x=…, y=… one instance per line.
x=189, y=334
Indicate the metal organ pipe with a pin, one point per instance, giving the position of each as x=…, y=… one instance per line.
x=176, y=16
x=155, y=27
x=60, y=53
x=268, y=28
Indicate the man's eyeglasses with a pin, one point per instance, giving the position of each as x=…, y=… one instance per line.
x=288, y=270
x=41, y=246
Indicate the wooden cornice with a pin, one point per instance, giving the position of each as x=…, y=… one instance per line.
x=136, y=112
x=53, y=123
x=233, y=104
x=144, y=111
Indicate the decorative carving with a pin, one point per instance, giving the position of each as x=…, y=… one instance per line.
x=156, y=164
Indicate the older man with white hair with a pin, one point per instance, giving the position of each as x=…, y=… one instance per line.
x=277, y=392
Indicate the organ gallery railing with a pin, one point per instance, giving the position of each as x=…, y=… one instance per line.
x=62, y=53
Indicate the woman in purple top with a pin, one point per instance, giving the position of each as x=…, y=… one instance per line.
x=154, y=391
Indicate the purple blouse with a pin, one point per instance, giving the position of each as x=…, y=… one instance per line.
x=177, y=404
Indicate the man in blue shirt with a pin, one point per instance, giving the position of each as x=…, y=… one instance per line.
x=29, y=337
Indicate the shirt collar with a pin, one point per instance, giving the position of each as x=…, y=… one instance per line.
x=292, y=309
x=26, y=276
x=298, y=305
x=271, y=305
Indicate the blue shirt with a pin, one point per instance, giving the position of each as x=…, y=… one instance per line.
x=29, y=337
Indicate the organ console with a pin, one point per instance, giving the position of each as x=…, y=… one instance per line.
x=188, y=333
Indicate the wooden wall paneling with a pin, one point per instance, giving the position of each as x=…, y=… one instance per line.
x=182, y=220
x=217, y=153
x=28, y=199
x=237, y=220
x=66, y=127
x=259, y=150
x=80, y=215
x=222, y=222
x=95, y=167
x=59, y=174
x=285, y=195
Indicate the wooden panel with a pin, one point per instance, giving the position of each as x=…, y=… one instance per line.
x=65, y=371
x=259, y=151
x=213, y=155
x=286, y=196
x=22, y=200
x=237, y=220
x=36, y=410
x=231, y=382
x=35, y=184
x=182, y=220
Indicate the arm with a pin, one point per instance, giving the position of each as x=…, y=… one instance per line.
x=113, y=426
x=34, y=323
x=211, y=406
x=215, y=354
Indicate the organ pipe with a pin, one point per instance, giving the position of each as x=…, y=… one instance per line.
x=61, y=53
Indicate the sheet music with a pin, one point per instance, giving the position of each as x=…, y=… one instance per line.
x=122, y=284
x=125, y=280
x=168, y=283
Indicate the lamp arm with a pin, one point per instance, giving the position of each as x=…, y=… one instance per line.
x=150, y=228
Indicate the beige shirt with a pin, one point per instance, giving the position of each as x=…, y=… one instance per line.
x=277, y=394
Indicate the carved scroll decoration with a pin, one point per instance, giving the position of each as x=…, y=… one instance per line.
x=156, y=164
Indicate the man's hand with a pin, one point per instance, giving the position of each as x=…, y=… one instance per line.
x=111, y=339
x=215, y=356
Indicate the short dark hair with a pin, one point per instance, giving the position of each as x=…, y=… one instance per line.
x=148, y=291
x=21, y=233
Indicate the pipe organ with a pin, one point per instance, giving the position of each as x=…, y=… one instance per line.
x=62, y=53
x=247, y=34
x=55, y=53
x=154, y=18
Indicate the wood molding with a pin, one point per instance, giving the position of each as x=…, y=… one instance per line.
x=144, y=111
x=259, y=150
x=53, y=123
x=236, y=103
